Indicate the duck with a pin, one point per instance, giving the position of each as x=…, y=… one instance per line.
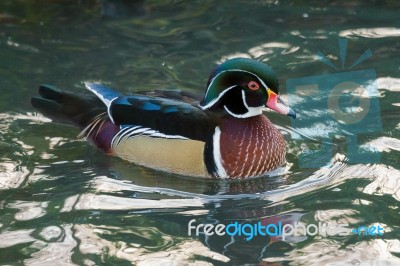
x=222, y=134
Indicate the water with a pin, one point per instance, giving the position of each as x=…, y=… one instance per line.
x=62, y=202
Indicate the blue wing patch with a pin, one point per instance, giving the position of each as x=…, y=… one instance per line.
x=150, y=106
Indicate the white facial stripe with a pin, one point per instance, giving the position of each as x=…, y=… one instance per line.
x=252, y=111
x=229, y=112
x=216, y=99
x=233, y=70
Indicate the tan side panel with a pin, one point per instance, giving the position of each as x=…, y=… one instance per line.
x=178, y=156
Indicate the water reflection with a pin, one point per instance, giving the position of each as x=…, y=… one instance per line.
x=60, y=252
x=378, y=253
x=16, y=237
x=148, y=211
x=28, y=210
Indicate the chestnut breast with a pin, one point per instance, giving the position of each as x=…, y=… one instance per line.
x=250, y=147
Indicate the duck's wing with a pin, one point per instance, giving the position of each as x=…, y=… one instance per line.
x=164, y=116
x=178, y=95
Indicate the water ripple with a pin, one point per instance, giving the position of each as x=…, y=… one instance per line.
x=371, y=32
x=378, y=253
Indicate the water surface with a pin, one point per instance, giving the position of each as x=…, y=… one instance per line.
x=64, y=202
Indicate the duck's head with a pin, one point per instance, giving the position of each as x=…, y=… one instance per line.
x=244, y=88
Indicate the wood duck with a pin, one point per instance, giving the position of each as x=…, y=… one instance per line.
x=222, y=134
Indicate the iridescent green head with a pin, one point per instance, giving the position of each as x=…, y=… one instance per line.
x=243, y=88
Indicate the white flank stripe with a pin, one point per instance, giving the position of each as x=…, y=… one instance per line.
x=217, y=154
x=129, y=132
x=161, y=135
x=138, y=131
x=125, y=134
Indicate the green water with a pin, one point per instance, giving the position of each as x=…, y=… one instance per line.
x=62, y=202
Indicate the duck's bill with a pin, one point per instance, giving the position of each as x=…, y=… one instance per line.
x=275, y=103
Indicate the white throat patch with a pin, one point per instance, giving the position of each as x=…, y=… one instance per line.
x=252, y=111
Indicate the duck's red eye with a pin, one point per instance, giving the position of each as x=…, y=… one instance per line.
x=253, y=85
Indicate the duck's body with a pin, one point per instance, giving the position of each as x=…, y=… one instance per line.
x=222, y=136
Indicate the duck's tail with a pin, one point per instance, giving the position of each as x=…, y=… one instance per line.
x=66, y=107
x=87, y=112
